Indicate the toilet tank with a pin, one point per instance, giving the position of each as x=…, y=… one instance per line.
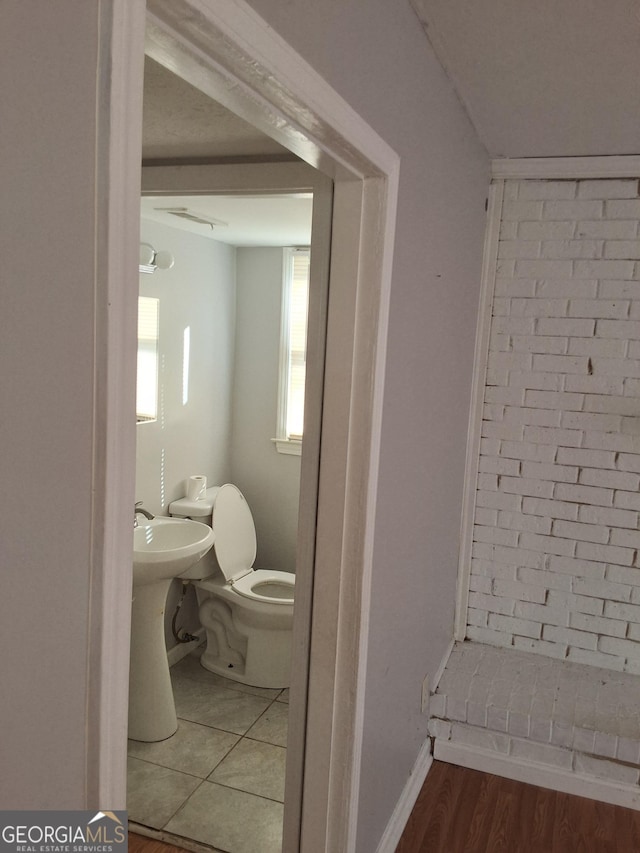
x=197, y=510
x=202, y=511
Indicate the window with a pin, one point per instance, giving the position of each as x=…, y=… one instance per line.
x=147, y=389
x=293, y=351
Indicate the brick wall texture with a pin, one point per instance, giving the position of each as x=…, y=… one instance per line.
x=556, y=550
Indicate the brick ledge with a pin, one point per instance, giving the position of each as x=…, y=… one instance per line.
x=523, y=708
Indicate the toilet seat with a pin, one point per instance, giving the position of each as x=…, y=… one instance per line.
x=272, y=587
x=235, y=544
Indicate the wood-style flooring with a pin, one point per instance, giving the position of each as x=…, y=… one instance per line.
x=466, y=811
x=140, y=844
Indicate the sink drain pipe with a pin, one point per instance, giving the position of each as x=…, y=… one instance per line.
x=185, y=637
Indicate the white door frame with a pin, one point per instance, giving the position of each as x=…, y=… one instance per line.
x=229, y=52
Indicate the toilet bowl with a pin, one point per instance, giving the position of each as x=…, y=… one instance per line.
x=247, y=613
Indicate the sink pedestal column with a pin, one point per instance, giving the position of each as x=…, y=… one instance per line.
x=152, y=710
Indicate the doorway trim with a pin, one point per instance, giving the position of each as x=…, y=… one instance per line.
x=229, y=52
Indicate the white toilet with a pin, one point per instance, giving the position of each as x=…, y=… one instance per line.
x=247, y=613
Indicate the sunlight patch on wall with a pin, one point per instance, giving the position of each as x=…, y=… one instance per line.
x=186, y=352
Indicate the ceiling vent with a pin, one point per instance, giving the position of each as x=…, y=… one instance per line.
x=191, y=216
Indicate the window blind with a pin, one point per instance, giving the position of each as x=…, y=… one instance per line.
x=298, y=308
x=146, y=394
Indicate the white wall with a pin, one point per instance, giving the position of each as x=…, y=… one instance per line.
x=192, y=438
x=376, y=56
x=555, y=565
x=231, y=300
x=269, y=480
x=198, y=292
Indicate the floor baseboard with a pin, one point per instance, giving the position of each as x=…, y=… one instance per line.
x=407, y=801
x=555, y=778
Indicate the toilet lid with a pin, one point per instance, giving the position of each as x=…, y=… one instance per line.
x=232, y=522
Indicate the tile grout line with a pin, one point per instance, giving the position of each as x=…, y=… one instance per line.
x=245, y=736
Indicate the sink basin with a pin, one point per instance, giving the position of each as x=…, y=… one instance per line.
x=164, y=548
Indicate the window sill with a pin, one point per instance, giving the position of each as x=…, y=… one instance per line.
x=291, y=447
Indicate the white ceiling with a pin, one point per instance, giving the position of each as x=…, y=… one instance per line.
x=543, y=78
x=181, y=122
x=539, y=78
x=264, y=220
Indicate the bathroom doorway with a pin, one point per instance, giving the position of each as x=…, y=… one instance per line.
x=232, y=53
x=166, y=789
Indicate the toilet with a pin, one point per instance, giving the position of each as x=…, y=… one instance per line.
x=247, y=613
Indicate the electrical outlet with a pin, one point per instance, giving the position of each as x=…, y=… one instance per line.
x=425, y=695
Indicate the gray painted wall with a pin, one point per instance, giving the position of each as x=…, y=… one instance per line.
x=374, y=55
x=48, y=153
x=269, y=480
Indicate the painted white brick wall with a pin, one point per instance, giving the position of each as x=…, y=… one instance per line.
x=556, y=552
x=556, y=713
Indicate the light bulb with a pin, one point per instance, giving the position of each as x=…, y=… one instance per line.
x=164, y=260
x=147, y=254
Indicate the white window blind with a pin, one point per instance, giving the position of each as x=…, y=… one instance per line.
x=293, y=357
x=147, y=387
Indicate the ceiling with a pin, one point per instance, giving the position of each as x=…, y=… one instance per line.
x=179, y=122
x=543, y=78
x=539, y=78
x=264, y=220
x=182, y=124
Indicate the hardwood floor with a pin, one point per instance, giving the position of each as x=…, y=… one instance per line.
x=465, y=811
x=140, y=844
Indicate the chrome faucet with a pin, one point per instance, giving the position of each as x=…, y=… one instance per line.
x=139, y=508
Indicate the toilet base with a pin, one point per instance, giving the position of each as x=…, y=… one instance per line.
x=258, y=655
x=247, y=641
x=236, y=673
x=261, y=658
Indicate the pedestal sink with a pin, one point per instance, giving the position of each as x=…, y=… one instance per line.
x=163, y=548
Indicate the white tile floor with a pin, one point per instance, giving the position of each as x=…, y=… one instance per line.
x=226, y=761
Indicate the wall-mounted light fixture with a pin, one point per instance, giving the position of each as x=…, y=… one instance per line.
x=150, y=260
